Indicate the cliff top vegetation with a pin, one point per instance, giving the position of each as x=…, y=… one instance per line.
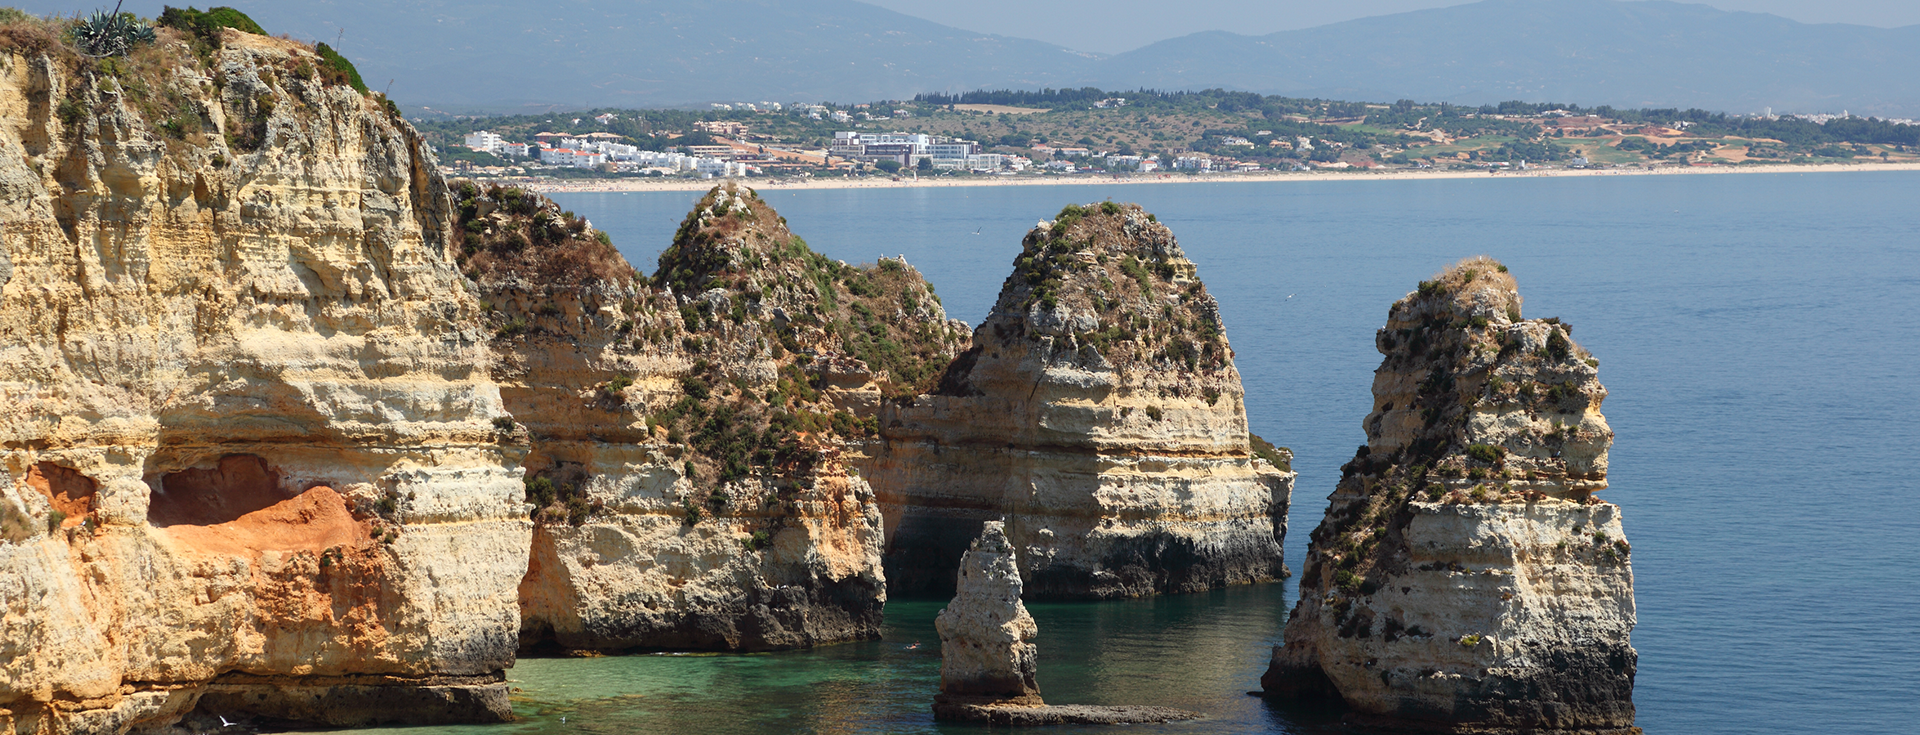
x=885, y=314
x=1458, y=355
x=1111, y=279
x=747, y=348
x=512, y=234
x=151, y=52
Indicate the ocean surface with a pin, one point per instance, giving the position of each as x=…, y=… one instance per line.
x=1759, y=336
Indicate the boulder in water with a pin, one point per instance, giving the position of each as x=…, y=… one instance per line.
x=987, y=658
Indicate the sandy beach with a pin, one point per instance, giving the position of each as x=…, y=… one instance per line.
x=877, y=182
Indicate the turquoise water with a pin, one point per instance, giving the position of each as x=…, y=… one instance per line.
x=1759, y=334
x=1187, y=651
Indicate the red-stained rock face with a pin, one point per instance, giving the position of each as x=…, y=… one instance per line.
x=70, y=493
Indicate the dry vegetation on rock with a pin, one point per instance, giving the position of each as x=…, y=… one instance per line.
x=1464, y=574
x=763, y=339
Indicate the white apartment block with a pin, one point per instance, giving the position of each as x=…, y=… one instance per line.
x=485, y=141
x=985, y=162
x=571, y=158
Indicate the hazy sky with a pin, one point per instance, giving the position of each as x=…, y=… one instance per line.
x=1112, y=26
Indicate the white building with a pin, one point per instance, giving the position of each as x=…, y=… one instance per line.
x=717, y=167
x=485, y=141
x=571, y=158
x=985, y=162
x=1193, y=163
x=957, y=150
x=515, y=150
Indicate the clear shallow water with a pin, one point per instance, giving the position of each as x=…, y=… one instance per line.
x=1758, y=335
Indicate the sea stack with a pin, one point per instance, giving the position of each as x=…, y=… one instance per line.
x=1465, y=578
x=1099, y=412
x=687, y=430
x=987, y=658
x=986, y=651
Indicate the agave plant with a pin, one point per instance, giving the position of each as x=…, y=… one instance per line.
x=110, y=34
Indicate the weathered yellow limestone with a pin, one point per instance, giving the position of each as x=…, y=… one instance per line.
x=1100, y=414
x=782, y=557
x=201, y=343
x=264, y=446
x=1465, y=579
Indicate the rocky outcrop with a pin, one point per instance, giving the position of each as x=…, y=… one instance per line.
x=986, y=650
x=244, y=405
x=987, y=660
x=1098, y=411
x=1465, y=578
x=688, y=430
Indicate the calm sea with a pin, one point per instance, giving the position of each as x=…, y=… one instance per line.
x=1759, y=336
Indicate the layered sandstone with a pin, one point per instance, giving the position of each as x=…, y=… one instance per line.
x=1465, y=578
x=244, y=404
x=687, y=430
x=1099, y=412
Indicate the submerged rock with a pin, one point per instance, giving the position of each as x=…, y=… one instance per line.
x=987, y=659
x=1099, y=412
x=1465, y=579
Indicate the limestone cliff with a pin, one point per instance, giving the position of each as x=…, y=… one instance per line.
x=244, y=406
x=687, y=430
x=1465, y=579
x=1099, y=411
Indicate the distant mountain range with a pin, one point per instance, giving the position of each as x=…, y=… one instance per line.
x=483, y=55
x=1590, y=52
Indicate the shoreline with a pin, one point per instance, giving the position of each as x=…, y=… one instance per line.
x=553, y=186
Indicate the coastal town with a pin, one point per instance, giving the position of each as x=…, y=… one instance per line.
x=1032, y=136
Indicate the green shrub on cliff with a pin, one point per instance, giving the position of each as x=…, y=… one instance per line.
x=337, y=69
x=1487, y=453
x=1279, y=457
x=206, y=24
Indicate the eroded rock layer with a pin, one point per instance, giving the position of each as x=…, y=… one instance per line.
x=244, y=404
x=1099, y=411
x=1465, y=579
x=688, y=430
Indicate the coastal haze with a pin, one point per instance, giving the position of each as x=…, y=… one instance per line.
x=502, y=57
x=655, y=419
